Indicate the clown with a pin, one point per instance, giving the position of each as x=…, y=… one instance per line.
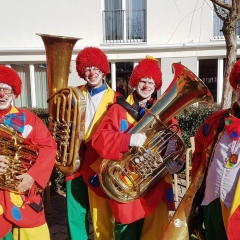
x=83, y=188
x=24, y=212
x=221, y=202
x=146, y=217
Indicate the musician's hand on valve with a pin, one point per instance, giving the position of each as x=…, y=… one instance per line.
x=137, y=139
x=174, y=166
x=3, y=164
x=26, y=183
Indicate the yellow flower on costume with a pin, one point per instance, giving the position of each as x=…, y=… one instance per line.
x=16, y=199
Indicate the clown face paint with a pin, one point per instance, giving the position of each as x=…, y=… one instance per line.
x=93, y=76
x=5, y=99
x=145, y=88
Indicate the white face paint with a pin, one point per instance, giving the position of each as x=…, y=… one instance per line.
x=145, y=88
x=93, y=76
x=5, y=99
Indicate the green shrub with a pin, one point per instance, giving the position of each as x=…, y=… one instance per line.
x=41, y=113
x=191, y=118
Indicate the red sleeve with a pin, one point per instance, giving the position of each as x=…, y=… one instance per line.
x=199, y=151
x=40, y=135
x=204, y=139
x=108, y=140
x=174, y=121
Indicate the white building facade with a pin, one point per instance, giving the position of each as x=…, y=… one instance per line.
x=185, y=31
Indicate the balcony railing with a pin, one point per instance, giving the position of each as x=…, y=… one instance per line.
x=123, y=26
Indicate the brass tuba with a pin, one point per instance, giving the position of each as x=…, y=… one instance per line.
x=21, y=154
x=140, y=169
x=177, y=228
x=66, y=104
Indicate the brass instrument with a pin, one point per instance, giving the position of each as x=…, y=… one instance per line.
x=21, y=154
x=178, y=226
x=67, y=105
x=138, y=170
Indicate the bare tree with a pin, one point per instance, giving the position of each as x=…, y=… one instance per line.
x=229, y=13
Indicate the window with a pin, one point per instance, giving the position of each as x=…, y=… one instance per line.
x=24, y=99
x=208, y=74
x=124, y=21
x=41, y=85
x=40, y=91
x=123, y=72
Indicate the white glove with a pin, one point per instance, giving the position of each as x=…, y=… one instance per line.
x=174, y=166
x=137, y=139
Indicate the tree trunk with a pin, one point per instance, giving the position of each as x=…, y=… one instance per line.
x=231, y=48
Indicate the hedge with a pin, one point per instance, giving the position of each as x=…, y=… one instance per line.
x=192, y=117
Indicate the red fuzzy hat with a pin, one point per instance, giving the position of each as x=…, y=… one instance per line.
x=234, y=76
x=91, y=57
x=11, y=78
x=147, y=68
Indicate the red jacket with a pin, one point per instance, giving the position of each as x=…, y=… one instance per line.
x=111, y=141
x=14, y=209
x=203, y=141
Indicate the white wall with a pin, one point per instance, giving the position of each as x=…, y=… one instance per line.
x=179, y=21
x=168, y=22
x=21, y=20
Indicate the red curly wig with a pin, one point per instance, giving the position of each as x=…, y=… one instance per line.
x=147, y=68
x=91, y=57
x=11, y=78
x=234, y=76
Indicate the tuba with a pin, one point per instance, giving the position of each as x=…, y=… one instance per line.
x=67, y=105
x=139, y=169
x=177, y=228
x=21, y=154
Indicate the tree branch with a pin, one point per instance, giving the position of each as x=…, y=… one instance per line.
x=222, y=4
x=218, y=13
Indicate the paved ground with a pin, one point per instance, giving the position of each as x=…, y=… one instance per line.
x=57, y=217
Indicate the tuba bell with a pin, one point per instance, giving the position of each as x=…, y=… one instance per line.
x=67, y=105
x=131, y=177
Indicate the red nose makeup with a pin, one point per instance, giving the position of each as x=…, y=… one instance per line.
x=91, y=74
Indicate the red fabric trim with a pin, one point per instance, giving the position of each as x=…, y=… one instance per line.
x=73, y=176
x=125, y=142
x=6, y=226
